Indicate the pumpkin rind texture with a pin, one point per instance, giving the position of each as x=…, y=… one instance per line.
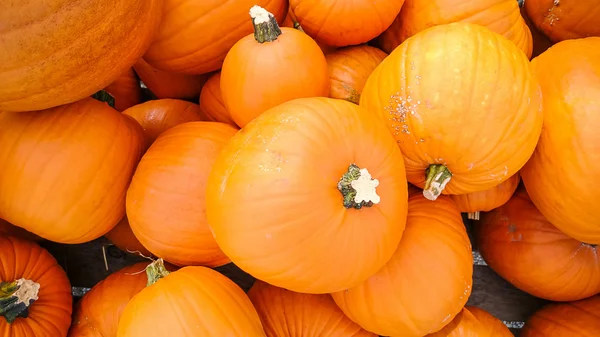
x=164, y=84
x=462, y=97
x=274, y=205
x=485, y=201
x=580, y=318
x=567, y=157
x=474, y=322
x=564, y=20
x=66, y=170
x=57, y=52
x=211, y=101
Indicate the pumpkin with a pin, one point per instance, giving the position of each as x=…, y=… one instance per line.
x=6, y=228
x=541, y=43
x=195, y=36
x=122, y=236
x=166, y=201
x=349, y=69
x=462, y=104
x=569, y=73
x=164, y=84
x=355, y=22
x=66, y=170
x=268, y=60
x=291, y=22
x=485, y=201
x=426, y=282
x=211, y=101
x=474, y=322
x=56, y=52
x=563, y=20
x=580, y=318
x=285, y=208
x=192, y=301
x=285, y=313
x=519, y=244
x=126, y=90
x=35, y=294
x=500, y=16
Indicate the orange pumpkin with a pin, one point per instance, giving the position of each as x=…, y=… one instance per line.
x=285, y=313
x=192, y=301
x=349, y=69
x=194, y=36
x=485, y=201
x=126, y=90
x=164, y=84
x=519, y=244
x=278, y=65
x=122, y=236
x=6, y=228
x=323, y=196
x=345, y=23
x=563, y=20
x=580, y=318
x=474, y=322
x=35, y=294
x=211, y=101
x=65, y=170
x=500, y=16
x=541, y=43
x=291, y=22
x=463, y=105
x=558, y=175
x=56, y=52
x=426, y=282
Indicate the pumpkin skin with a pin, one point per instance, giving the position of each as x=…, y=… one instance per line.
x=501, y=16
x=474, y=322
x=195, y=36
x=541, y=43
x=166, y=201
x=126, y=90
x=274, y=155
x=426, y=282
x=211, y=101
x=568, y=147
x=349, y=69
x=285, y=313
x=122, y=236
x=356, y=21
x=291, y=22
x=564, y=20
x=164, y=84
x=6, y=228
x=481, y=145
x=87, y=146
x=519, y=244
x=485, y=201
x=580, y=318
x=50, y=314
x=57, y=52
x=267, y=67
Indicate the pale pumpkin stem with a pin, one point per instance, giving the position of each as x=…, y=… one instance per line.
x=473, y=215
x=155, y=271
x=266, y=28
x=16, y=297
x=437, y=177
x=358, y=188
x=104, y=96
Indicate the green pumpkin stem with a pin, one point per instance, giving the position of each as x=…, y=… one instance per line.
x=357, y=188
x=155, y=271
x=16, y=297
x=266, y=28
x=104, y=96
x=437, y=177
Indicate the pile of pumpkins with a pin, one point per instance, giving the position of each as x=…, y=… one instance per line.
x=334, y=147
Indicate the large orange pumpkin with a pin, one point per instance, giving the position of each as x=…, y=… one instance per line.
x=285, y=313
x=463, y=105
x=192, y=301
x=286, y=208
x=194, y=36
x=558, y=175
x=519, y=244
x=426, y=282
x=485, y=201
x=65, y=170
x=563, y=19
x=211, y=101
x=269, y=67
x=164, y=84
x=580, y=318
x=474, y=322
x=6, y=228
x=35, y=294
x=501, y=16
x=122, y=236
x=126, y=90
x=56, y=51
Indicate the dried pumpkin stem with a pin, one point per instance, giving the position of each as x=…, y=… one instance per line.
x=437, y=177
x=473, y=215
x=358, y=188
x=266, y=28
x=155, y=271
x=16, y=297
x=104, y=96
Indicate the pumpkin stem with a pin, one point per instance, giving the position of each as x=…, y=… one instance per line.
x=437, y=177
x=155, y=271
x=358, y=188
x=473, y=216
x=16, y=297
x=266, y=28
x=104, y=96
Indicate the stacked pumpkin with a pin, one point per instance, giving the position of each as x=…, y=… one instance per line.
x=294, y=165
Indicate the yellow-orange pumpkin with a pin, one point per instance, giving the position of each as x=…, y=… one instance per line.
x=474, y=322
x=122, y=236
x=485, y=201
x=211, y=101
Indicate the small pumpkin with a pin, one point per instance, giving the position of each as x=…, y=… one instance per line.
x=126, y=90
x=580, y=318
x=122, y=236
x=6, y=228
x=463, y=105
x=564, y=20
x=211, y=101
x=519, y=244
x=349, y=69
x=427, y=281
x=324, y=196
x=278, y=65
x=474, y=322
x=164, y=84
x=485, y=201
x=285, y=313
x=558, y=175
x=192, y=301
x=35, y=294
